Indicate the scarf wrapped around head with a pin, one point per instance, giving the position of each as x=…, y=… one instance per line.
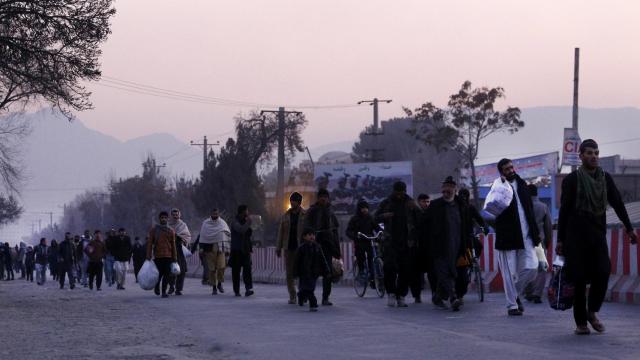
x=181, y=229
x=592, y=192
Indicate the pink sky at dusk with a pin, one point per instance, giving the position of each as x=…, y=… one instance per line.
x=339, y=52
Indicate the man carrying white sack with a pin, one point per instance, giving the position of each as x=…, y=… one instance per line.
x=183, y=239
x=213, y=234
x=516, y=236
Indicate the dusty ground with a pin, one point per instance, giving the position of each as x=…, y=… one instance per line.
x=47, y=323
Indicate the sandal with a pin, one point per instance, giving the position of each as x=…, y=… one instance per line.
x=582, y=330
x=596, y=324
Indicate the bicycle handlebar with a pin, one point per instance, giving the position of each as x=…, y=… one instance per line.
x=375, y=236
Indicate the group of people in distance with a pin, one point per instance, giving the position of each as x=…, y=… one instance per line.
x=423, y=237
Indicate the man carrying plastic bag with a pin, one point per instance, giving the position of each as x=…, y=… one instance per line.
x=162, y=247
x=517, y=236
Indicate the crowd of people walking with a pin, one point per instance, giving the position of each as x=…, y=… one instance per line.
x=423, y=237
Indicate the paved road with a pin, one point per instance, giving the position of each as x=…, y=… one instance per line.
x=45, y=322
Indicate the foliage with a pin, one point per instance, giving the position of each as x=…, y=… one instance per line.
x=469, y=118
x=48, y=47
x=10, y=210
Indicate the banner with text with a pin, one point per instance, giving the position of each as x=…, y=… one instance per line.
x=534, y=169
x=571, y=147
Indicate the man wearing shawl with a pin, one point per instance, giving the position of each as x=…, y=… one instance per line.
x=582, y=232
x=183, y=238
x=213, y=234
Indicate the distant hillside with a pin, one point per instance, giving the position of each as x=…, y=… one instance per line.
x=63, y=159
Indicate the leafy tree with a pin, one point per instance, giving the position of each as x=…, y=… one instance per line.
x=48, y=48
x=9, y=210
x=469, y=118
x=258, y=134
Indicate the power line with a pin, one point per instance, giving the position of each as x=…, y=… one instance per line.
x=136, y=87
x=550, y=150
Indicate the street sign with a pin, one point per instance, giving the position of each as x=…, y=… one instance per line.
x=571, y=147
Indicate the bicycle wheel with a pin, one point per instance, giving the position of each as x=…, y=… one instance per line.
x=359, y=279
x=479, y=283
x=378, y=276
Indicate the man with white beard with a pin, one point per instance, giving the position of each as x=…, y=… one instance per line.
x=516, y=237
x=183, y=238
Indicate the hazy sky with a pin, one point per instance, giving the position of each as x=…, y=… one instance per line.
x=339, y=52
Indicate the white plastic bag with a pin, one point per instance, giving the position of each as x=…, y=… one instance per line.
x=175, y=268
x=542, y=257
x=148, y=275
x=185, y=250
x=499, y=197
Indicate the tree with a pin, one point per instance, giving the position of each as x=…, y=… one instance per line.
x=469, y=118
x=12, y=131
x=227, y=182
x=48, y=47
x=258, y=134
x=9, y=210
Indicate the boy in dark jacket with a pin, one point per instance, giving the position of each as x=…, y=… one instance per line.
x=310, y=264
x=363, y=222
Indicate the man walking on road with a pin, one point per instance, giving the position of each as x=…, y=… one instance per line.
x=213, y=234
x=121, y=251
x=139, y=255
x=398, y=212
x=449, y=236
x=241, y=249
x=109, y=261
x=534, y=291
x=42, y=255
x=84, y=266
x=516, y=238
x=96, y=251
x=66, y=261
x=323, y=221
x=422, y=239
x=289, y=237
x=183, y=238
x=582, y=234
x=161, y=246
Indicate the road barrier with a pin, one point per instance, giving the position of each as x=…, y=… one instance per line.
x=624, y=283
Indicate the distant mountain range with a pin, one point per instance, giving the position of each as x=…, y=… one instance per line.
x=64, y=159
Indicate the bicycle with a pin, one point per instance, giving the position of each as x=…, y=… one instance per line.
x=361, y=276
x=475, y=272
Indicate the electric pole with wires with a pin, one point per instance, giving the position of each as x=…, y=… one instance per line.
x=205, y=150
x=281, y=113
x=375, y=154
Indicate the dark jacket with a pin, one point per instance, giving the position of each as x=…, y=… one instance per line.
x=583, y=236
x=401, y=228
x=52, y=254
x=121, y=248
x=41, y=253
x=325, y=223
x=139, y=253
x=30, y=258
x=309, y=261
x=241, y=236
x=508, y=229
x=361, y=223
x=438, y=228
x=67, y=252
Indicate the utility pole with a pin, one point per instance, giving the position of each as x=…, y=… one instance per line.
x=375, y=153
x=205, y=150
x=576, y=67
x=281, y=138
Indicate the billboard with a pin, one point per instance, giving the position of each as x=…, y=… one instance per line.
x=537, y=170
x=373, y=182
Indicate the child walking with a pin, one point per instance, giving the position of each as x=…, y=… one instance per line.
x=309, y=266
